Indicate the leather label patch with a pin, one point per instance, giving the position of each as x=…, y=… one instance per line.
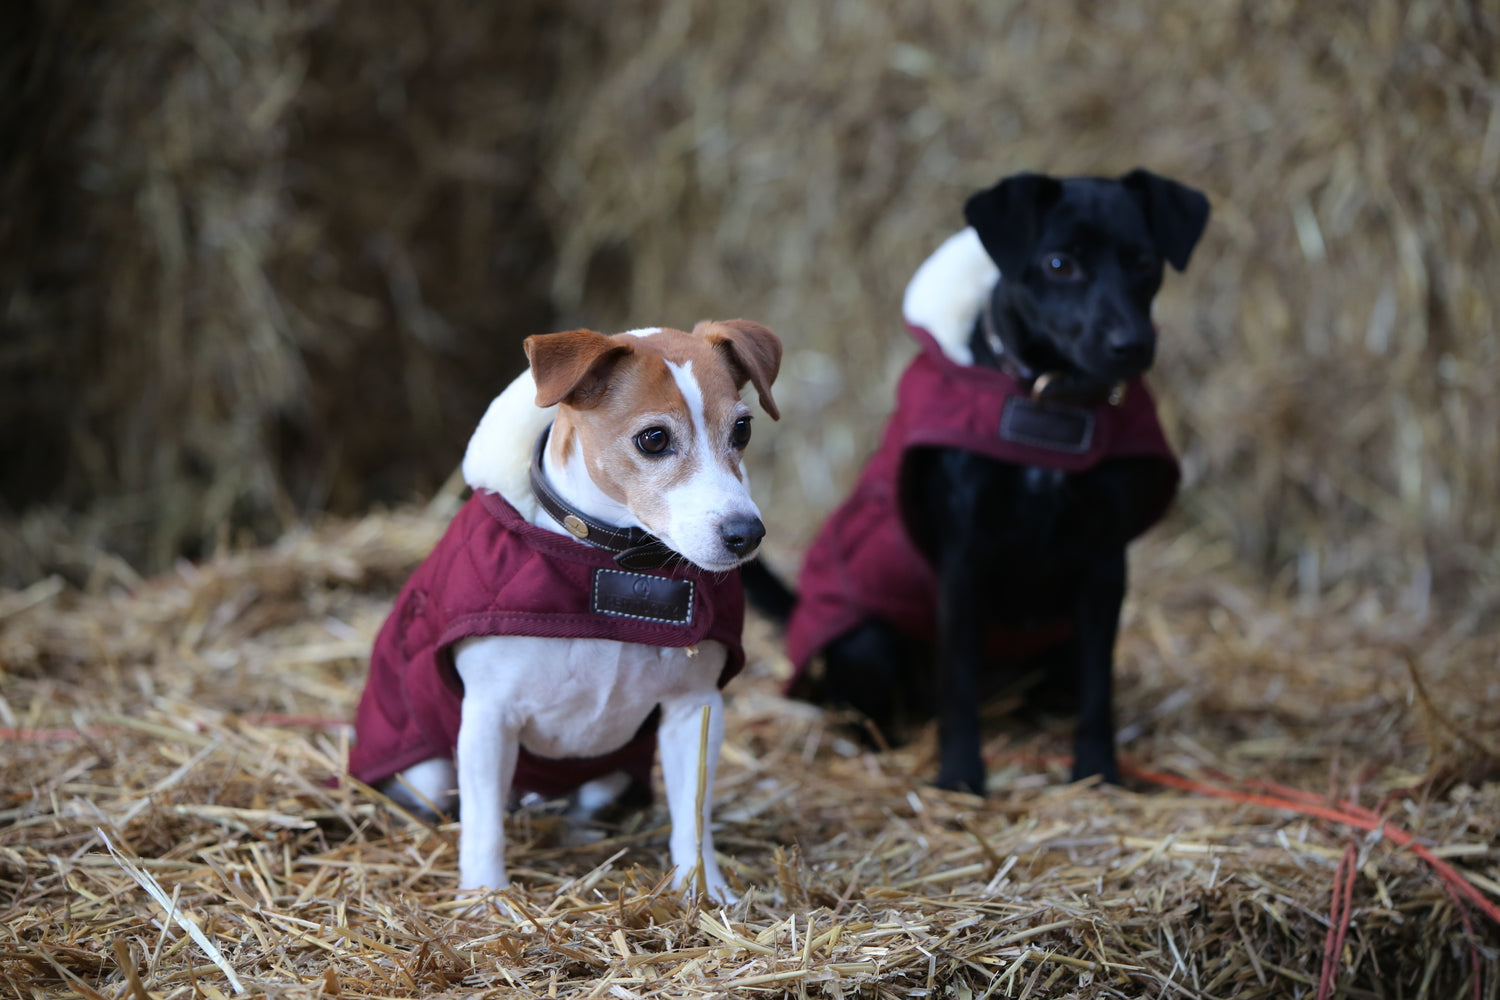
x=1054, y=426
x=643, y=597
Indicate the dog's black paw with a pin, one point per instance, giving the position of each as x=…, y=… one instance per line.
x=1089, y=761
x=962, y=778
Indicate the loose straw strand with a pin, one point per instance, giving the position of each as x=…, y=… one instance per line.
x=702, y=876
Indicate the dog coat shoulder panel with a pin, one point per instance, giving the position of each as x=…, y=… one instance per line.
x=946, y=404
x=495, y=574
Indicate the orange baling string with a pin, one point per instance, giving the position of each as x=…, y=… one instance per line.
x=1347, y=813
x=1338, y=920
x=1282, y=797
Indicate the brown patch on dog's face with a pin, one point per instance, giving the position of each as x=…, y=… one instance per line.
x=752, y=352
x=665, y=436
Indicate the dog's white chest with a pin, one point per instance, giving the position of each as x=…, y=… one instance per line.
x=580, y=697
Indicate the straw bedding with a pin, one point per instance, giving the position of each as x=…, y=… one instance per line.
x=189, y=722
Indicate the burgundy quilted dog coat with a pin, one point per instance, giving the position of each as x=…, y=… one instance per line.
x=494, y=573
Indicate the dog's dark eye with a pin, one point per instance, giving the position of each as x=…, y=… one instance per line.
x=1061, y=266
x=739, y=435
x=653, y=440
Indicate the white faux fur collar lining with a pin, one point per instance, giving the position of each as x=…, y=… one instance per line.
x=499, y=453
x=947, y=291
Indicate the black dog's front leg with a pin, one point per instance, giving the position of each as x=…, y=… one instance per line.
x=960, y=643
x=960, y=488
x=1097, y=622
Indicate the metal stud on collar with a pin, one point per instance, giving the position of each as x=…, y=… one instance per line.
x=634, y=548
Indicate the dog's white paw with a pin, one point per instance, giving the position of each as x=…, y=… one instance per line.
x=720, y=893
x=478, y=903
x=716, y=889
x=479, y=878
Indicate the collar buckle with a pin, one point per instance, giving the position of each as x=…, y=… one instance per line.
x=634, y=548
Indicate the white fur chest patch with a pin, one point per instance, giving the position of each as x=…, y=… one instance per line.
x=580, y=697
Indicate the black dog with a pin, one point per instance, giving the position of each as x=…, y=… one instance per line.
x=1023, y=535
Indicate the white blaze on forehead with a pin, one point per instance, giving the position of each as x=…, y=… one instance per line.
x=692, y=395
x=708, y=492
x=644, y=331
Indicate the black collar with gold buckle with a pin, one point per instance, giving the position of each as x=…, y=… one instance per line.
x=634, y=548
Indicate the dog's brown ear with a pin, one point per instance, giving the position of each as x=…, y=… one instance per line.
x=753, y=353
x=572, y=366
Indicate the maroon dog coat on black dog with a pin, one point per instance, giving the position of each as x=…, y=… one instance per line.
x=494, y=573
x=863, y=563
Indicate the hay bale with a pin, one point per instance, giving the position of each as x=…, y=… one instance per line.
x=302, y=226
x=259, y=264
x=1326, y=361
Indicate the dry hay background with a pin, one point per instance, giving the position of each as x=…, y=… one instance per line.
x=271, y=261
x=267, y=260
x=191, y=723
x=258, y=260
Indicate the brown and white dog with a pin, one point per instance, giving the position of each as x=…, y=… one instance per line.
x=585, y=596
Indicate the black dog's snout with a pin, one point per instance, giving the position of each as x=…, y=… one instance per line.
x=742, y=534
x=1127, y=347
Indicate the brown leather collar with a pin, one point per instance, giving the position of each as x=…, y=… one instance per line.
x=634, y=548
x=1053, y=386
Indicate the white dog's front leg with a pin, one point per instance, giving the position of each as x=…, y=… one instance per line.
x=486, y=763
x=680, y=737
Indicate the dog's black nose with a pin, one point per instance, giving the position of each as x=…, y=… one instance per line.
x=742, y=534
x=1126, y=347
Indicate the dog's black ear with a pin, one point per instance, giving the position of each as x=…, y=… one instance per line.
x=1175, y=212
x=572, y=366
x=1007, y=217
x=754, y=355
